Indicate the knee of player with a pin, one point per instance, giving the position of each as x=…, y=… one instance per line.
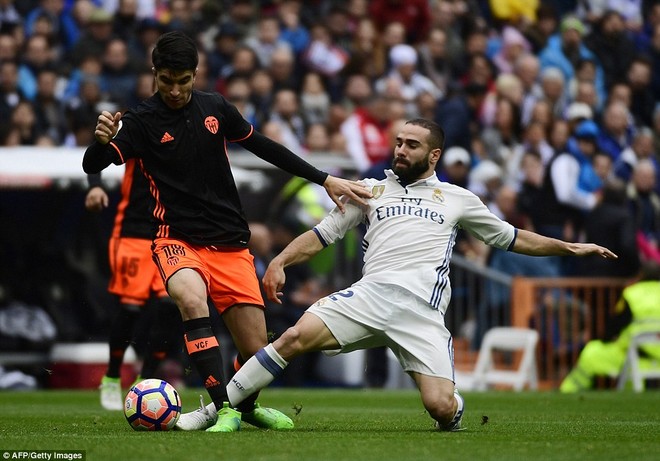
x=441, y=407
x=290, y=341
x=190, y=303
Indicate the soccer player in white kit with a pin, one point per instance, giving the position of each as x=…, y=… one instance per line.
x=401, y=299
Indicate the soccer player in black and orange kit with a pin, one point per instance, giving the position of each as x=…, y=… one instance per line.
x=179, y=138
x=135, y=280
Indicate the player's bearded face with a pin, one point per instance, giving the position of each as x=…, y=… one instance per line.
x=410, y=171
x=175, y=87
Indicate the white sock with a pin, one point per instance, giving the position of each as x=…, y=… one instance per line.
x=257, y=373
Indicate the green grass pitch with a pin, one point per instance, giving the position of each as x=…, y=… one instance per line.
x=353, y=425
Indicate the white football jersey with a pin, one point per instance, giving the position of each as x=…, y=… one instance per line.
x=411, y=232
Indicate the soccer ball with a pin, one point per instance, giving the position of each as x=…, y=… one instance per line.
x=152, y=405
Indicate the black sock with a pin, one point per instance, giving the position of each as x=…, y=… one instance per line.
x=120, y=337
x=204, y=352
x=165, y=313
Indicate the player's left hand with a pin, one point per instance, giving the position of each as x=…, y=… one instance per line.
x=338, y=188
x=587, y=249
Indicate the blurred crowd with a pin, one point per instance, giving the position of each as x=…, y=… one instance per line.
x=549, y=107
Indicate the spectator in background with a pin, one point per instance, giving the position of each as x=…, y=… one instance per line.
x=326, y=57
x=266, y=40
x=367, y=54
x=244, y=63
x=513, y=46
x=641, y=148
x=585, y=87
x=65, y=29
x=539, y=32
x=610, y=223
x=261, y=87
x=541, y=113
x=292, y=28
x=119, y=72
x=317, y=139
x=49, y=109
x=8, y=47
x=94, y=38
x=23, y=127
x=9, y=15
x=479, y=70
x=642, y=102
x=126, y=22
x=404, y=81
x=314, y=99
x=282, y=69
x=337, y=21
x=610, y=43
x=509, y=87
x=617, y=129
x=565, y=50
x=553, y=87
x=10, y=93
x=435, y=60
x=225, y=43
x=144, y=87
x=644, y=204
x=530, y=192
x=141, y=43
x=502, y=140
x=286, y=113
x=583, y=147
x=534, y=139
x=459, y=113
x=366, y=132
x=527, y=69
x=38, y=56
x=414, y=15
x=184, y=16
x=456, y=164
x=238, y=93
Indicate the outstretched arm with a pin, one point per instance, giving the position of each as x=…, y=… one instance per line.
x=299, y=250
x=530, y=243
x=277, y=154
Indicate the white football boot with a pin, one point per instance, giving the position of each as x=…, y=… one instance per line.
x=198, y=420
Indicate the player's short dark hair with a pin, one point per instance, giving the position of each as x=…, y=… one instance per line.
x=175, y=51
x=436, y=138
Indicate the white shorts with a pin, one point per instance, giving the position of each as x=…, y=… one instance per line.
x=368, y=314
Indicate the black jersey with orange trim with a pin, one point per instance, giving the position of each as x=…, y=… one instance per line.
x=183, y=154
x=134, y=218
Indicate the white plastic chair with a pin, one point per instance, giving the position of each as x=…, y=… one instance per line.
x=631, y=370
x=485, y=374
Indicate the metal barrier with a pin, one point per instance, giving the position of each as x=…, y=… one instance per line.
x=567, y=312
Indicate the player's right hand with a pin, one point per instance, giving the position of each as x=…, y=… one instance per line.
x=273, y=282
x=96, y=199
x=107, y=126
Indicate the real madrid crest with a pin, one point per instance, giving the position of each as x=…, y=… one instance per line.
x=437, y=196
x=377, y=191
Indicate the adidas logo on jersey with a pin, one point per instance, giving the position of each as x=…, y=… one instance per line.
x=166, y=138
